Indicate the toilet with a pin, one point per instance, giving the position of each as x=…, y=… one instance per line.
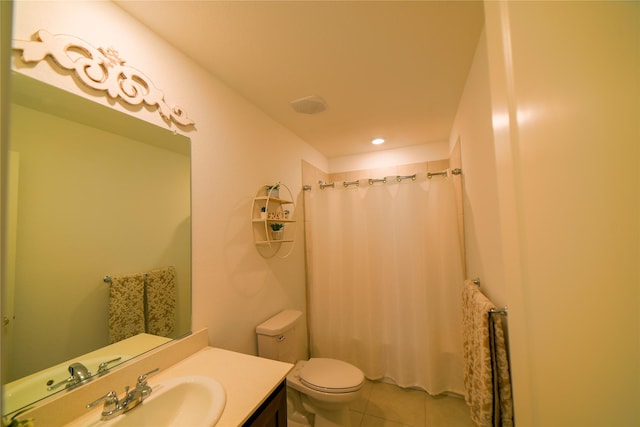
x=319, y=390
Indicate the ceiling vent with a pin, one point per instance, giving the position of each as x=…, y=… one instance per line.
x=309, y=105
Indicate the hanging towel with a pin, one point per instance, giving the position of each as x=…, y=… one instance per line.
x=486, y=372
x=478, y=381
x=502, y=396
x=126, y=307
x=161, y=301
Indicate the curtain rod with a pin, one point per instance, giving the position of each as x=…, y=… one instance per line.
x=399, y=178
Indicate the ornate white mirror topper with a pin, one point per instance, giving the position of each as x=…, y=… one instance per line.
x=100, y=69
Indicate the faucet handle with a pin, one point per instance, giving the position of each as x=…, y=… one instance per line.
x=111, y=405
x=67, y=381
x=143, y=387
x=142, y=379
x=103, y=367
x=109, y=398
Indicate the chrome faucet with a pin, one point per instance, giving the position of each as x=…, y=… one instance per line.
x=114, y=407
x=78, y=374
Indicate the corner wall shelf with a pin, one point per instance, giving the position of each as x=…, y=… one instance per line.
x=272, y=207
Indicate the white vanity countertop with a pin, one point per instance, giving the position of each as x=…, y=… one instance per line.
x=247, y=380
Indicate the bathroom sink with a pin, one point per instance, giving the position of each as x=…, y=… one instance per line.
x=181, y=401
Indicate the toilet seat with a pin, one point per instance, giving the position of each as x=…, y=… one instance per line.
x=331, y=376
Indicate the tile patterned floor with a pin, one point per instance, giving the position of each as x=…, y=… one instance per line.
x=386, y=405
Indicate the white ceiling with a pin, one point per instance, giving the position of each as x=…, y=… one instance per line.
x=393, y=69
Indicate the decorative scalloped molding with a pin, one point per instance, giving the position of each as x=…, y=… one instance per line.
x=100, y=69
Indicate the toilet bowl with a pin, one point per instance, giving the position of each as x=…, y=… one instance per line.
x=326, y=387
x=319, y=390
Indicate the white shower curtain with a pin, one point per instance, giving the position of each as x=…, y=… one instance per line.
x=385, y=279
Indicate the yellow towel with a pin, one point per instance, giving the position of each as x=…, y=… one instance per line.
x=126, y=307
x=161, y=301
x=478, y=379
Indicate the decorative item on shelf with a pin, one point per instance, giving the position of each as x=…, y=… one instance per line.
x=273, y=190
x=277, y=215
x=286, y=214
x=276, y=230
x=263, y=212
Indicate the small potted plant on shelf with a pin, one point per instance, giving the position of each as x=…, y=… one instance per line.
x=276, y=230
x=263, y=212
x=273, y=190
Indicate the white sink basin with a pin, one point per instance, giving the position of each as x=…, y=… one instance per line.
x=181, y=401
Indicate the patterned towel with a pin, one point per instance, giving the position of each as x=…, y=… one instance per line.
x=486, y=371
x=502, y=396
x=478, y=382
x=126, y=307
x=161, y=301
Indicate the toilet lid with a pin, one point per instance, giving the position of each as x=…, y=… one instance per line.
x=331, y=376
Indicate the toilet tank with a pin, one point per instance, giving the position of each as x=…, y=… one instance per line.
x=283, y=337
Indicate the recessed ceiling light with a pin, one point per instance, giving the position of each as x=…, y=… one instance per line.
x=377, y=141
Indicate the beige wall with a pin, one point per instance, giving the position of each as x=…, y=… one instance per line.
x=382, y=158
x=565, y=111
x=472, y=131
x=235, y=150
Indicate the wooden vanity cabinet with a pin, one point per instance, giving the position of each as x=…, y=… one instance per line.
x=273, y=411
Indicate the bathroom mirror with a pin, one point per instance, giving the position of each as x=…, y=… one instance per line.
x=91, y=192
